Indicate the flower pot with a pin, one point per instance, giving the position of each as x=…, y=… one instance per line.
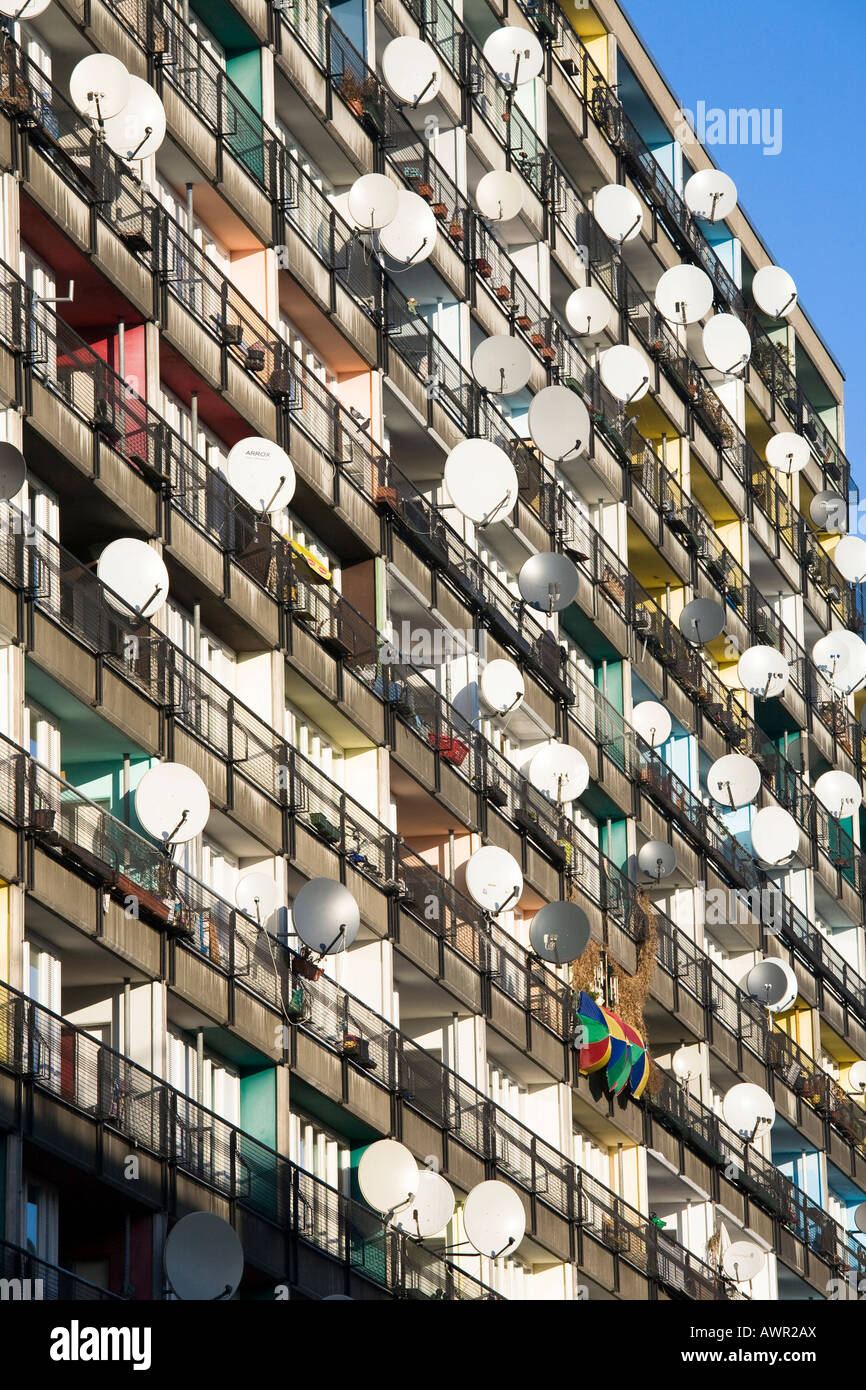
x=440, y=210
x=456, y=231
x=502, y=292
x=523, y=321
x=484, y=268
x=425, y=190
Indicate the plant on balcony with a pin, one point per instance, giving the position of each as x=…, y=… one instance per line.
x=523, y=321
x=455, y=230
x=440, y=210
x=483, y=267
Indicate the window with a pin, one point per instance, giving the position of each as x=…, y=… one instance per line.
x=42, y=736
x=319, y=1152
x=315, y=745
x=40, y=1219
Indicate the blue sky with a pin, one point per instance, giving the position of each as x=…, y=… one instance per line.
x=808, y=202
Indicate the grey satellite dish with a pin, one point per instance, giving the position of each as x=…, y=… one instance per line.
x=743, y=1261
x=772, y=983
x=787, y=452
x=681, y=1064
x=727, y=344
x=501, y=686
x=409, y=238
x=560, y=932
x=493, y=879
x=684, y=294
x=749, y=1111
x=853, y=648
x=832, y=657
x=829, y=512
x=656, y=859
x=172, y=803
x=257, y=895
x=652, y=721
x=262, y=473
x=502, y=364
x=493, y=1219
x=138, y=130
x=763, y=671
x=860, y=1217
x=559, y=423
x=560, y=772
x=388, y=1175
x=481, y=481
x=136, y=574
x=702, y=620
x=734, y=780
x=775, y=837
x=13, y=471
x=625, y=373
x=840, y=793
x=774, y=292
x=99, y=86
x=618, y=212
x=430, y=1209
x=710, y=195
x=338, y=1298
x=203, y=1258
x=588, y=311
x=857, y=1076
x=412, y=70
x=849, y=558
x=326, y=916
x=23, y=9
x=373, y=201
x=499, y=195
x=514, y=54
x=548, y=582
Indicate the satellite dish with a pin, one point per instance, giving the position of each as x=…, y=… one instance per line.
x=337, y=1298
x=326, y=916
x=99, y=86
x=652, y=721
x=849, y=558
x=727, y=344
x=430, y=1209
x=23, y=9
x=743, y=1261
x=860, y=1217
x=625, y=373
x=763, y=671
x=499, y=195
x=774, y=292
x=262, y=473
x=681, y=1064
x=135, y=573
x=857, y=1076
x=560, y=932
x=501, y=686
x=203, y=1258
x=257, y=895
x=172, y=803
x=502, y=364
x=854, y=670
x=832, y=656
x=481, y=481
x=775, y=837
x=548, y=582
x=656, y=859
x=710, y=195
x=493, y=879
x=373, y=201
x=684, y=294
x=559, y=423
x=702, y=620
x=787, y=452
x=618, y=212
x=840, y=793
x=560, y=772
x=588, y=311
x=411, y=235
x=493, y=1218
x=412, y=70
x=13, y=471
x=139, y=129
x=734, y=780
x=829, y=512
x=515, y=55
x=388, y=1176
x=772, y=983
x=748, y=1110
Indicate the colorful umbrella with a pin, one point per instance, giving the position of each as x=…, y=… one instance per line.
x=619, y=1065
x=593, y=1036
x=639, y=1074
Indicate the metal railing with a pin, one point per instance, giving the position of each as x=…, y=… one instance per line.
x=26, y=1278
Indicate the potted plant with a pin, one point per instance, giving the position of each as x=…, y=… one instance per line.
x=455, y=230
x=523, y=321
x=440, y=210
x=357, y=1049
x=483, y=267
x=350, y=91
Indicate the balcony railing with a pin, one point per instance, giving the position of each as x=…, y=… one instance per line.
x=26, y=1278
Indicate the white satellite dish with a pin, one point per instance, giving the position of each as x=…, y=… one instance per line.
x=560, y=932
x=681, y=1064
x=763, y=671
x=501, y=686
x=373, y=201
x=548, y=582
x=656, y=859
x=23, y=9
x=774, y=292
x=411, y=236
x=787, y=452
x=748, y=1110
x=325, y=916
x=618, y=212
x=135, y=573
x=493, y=1219
x=515, y=55
x=481, y=481
x=829, y=512
x=172, y=803
x=727, y=344
x=502, y=364
x=734, y=780
x=625, y=373
x=203, y=1258
x=257, y=895
x=430, y=1209
x=138, y=130
x=412, y=70
x=839, y=792
x=854, y=672
x=702, y=620
x=652, y=721
x=684, y=294
x=710, y=195
x=388, y=1175
x=775, y=837
x=499, y=195
x=559, y=423
x=849, y=558
x=560, y=772
x=860, y=1217
x=857, y=1076
x=13, y=471
x=743, y=1261
x=262, y=473
x=772, y=983
x=588, y=310
x=493, y=879
x=99, y=86
x=832, y=656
